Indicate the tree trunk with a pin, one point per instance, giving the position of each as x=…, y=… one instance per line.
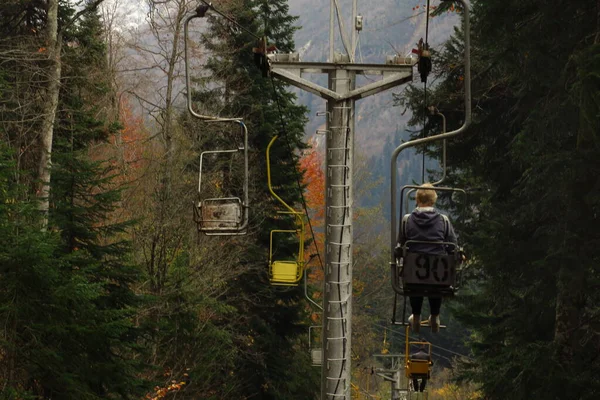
x=570, y=303
x=49, y=110
x=173, y=59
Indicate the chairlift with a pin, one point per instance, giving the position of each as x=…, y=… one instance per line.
x=416, y=368
x=391, y=367
x=285, y=272
x=431, y=275
x=415, y=274
x=424, y=274
x=316, y=353
x=223, y=215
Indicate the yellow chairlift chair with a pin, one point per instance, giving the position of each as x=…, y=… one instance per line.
x=415, y=368
x=285, y=272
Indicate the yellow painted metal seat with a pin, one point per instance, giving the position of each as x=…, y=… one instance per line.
x=416, y=368
x=285, y=272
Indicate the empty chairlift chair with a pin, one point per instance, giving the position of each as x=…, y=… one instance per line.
x=285, y=272
x=218, y=213
x=316, y=353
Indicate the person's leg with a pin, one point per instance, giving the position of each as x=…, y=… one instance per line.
x=415, y=384
x=416, y=304
x=423, y=383
x=435, y=304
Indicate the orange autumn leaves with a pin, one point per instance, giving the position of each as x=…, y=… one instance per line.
x=160, y=392
x=314, y=194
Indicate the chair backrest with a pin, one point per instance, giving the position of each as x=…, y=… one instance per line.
x=429, y=269
x=224, y=215
x=418, y=368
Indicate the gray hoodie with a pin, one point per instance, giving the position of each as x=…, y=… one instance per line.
x=426, y=224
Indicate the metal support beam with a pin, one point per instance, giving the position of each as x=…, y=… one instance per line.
x=395, y=375
x=402, y=65
x=305, y=84
x=379, y=86
x=337, y=313
x=341, y=95
x=331, y=30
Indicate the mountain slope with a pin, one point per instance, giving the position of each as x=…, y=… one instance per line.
x=389, y=28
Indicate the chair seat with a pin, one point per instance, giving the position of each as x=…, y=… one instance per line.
x=284, y=271
x=221, y=216
x=427, y=290
x=317, y=356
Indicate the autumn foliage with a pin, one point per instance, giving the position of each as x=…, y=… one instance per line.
x=314, y=180
x=160, y=392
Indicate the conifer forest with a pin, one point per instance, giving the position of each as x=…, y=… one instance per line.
x=124, y=123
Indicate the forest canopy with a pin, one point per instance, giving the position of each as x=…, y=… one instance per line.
x=108, y=291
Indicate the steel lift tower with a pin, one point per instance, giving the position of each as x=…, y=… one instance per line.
x=341, y=94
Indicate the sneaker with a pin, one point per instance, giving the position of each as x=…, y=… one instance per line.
x=434, y=322
x=415, y=322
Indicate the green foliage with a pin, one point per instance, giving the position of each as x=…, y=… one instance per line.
x=272, y=362
x=530, y=158
x=66, y=296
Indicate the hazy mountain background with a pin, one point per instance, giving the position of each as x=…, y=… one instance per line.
x=389, y=27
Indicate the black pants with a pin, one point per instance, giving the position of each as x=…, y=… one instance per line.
x=435, y=304
x=416, y=384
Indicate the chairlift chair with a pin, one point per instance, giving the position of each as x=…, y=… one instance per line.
x=223, y=215
x=418, y=274
x=316, y=353
x=414, y=368
x=285, y=272
x=216, y=215
x=422, y=274
x=405, y=271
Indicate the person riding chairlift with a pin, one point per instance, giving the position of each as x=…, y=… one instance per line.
x=425, y=223
x=420, y=355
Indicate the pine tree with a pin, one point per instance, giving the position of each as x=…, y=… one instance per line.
x=270, y=320
x=532, y=227
x=67, y=295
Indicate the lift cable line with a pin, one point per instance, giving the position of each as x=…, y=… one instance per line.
x=426, y=48
x=208, y=5
x=433, y=345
